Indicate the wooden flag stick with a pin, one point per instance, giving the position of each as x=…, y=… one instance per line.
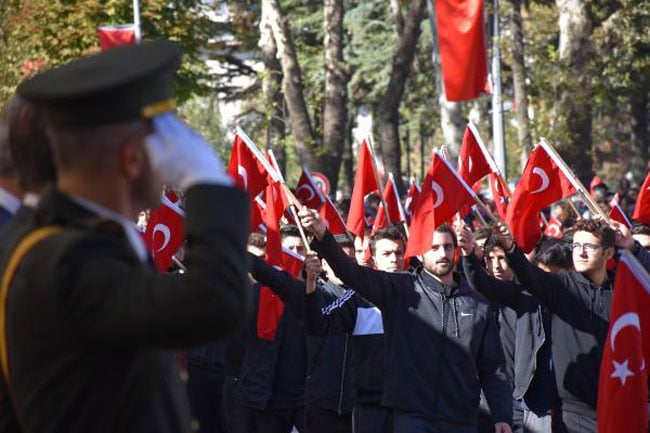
x=574, y=208
x=373, y=160
x=480, y=217
x=294, y=206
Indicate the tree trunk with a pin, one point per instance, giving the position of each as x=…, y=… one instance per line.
x=573, y=136
x=640, y=138
x=519, y=79
x=337, y=77
x=388, y=109
x=272, y=88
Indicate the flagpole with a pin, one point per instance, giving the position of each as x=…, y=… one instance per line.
x=497, y=102
x=488, y=156
x=370, y=144
x=136, y=21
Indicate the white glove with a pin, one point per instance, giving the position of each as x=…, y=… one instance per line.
x=181, y=156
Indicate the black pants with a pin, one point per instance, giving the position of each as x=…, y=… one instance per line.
x=371, y=418
x=575, y=423
x=408, y=422
x=279, y=421
x=239, y=418
x=204, y=389
x=327, y=421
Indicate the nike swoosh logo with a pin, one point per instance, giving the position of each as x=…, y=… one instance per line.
x=465, y=314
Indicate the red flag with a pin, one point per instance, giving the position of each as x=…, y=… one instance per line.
x=292, y=262
x=249, y=171
x=332, y=218
x=623, y=384
x=365, y=182
x=541, y=184
x=553, y=228
x=443, y=192
x=642, y=208
x=500, y=194
x=472, y=163
x=617, y=214
x=115, y=36
x=307, y=191
x=411, y=197
x=393, y=204
x=165, y=233
x=462, y=48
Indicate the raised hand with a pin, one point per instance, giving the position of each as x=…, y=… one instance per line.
x=311, y=220
x=313, y=268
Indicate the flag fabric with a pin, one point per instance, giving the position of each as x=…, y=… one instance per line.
x=292, y=262
x=642, y=208
x=307, y=192
x=500, y=194
x=617, y=214
x=463, y=56
x=541, y=184
x=472, y=162
x=365, y=182
x=553, y=228
x=411, y=197
x=443, y=192
x=115, y=36
x=165, y=233
x=332, y=218
x=248, y=170
x=623, y=381
x=396, y=212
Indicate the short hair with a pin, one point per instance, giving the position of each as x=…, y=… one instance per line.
x=491, y=243
x=554, y=252
x=483, y=232
x=392, y=233
x=344, y=240
x=29, y=144
x=599, y=229
x=289, y=230
x=446, y=229
x=641, y=229
x=257, y=239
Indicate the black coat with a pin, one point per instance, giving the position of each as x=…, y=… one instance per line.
x=91, y=329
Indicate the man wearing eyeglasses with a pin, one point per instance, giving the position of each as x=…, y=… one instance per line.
x=579, y=302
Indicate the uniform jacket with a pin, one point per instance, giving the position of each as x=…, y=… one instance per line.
x=91, y=329
x=442, y=342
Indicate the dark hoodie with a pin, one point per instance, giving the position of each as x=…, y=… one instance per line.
x=442, y=342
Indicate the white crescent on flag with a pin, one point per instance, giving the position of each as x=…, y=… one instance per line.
x=545, y=182
x=162, y=228
x=440, y=195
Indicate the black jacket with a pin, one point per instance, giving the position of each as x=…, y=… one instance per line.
x=90, y=327
x=580, y=322
x=531, y=345
x=442, y=342
x=328, y=383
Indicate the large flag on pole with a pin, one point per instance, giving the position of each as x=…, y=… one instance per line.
x=394, y=207
x=642, y=208
x=463, y=54
x=365, y=182
x=623, y=384
x=115, y=36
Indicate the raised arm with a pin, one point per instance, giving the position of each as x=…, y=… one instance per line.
x=289, y=289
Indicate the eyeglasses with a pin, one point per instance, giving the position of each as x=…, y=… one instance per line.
x=589, y=248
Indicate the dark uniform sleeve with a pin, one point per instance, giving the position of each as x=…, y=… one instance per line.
x=502, y=292
x=376, y=286
x=642, y=255
x=115, y=300
x=290, y=290
x=338, y=317
x=545, y=286
x=492, y=371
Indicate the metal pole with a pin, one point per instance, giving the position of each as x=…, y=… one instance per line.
x=497, y=102
x=136, y=21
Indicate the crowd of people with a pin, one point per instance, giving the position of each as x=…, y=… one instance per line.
x=472, y=336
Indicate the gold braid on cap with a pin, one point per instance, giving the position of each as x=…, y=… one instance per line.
x=157, y=108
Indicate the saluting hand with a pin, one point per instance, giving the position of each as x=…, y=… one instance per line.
x=311, y=220
x=313, y=268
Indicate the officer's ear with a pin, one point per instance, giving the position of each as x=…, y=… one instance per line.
x=133, y=158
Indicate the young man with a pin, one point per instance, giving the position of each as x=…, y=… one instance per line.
x=99, y=357
x=442, y=342
x=579, y=302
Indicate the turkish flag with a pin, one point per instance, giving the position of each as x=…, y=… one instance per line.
x=443, y=193
x=246, y=168
x=271, y=307
x=115, y=36
x=500, y=194
x=463, y=56
x=332, y=218
x=165, y=233
x=411, y=197
x=393, y=204
x=623, y=384
x=553, y=228
x=307, y=192
x=365, y=182
x=541, y=184
x=617, y=214
x=292, y=262
x=642, y=208
x=472, y=162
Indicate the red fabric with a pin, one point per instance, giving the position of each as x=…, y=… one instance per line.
x=617, y=214
x=246, y=169
x=463, y=54
x=365, y=182
x=115, y=36
x=332, y=218
x=595, y=181
x=553, y=228
x=472, y=163
x=307, y=191
x=623, y=384
x=500, y=194
x=292, y=262
x=165, y=233
x=394, y=206
x=271, y=306
x=541, y=184
x=442, y=194
x=411, y=197
x=642, y=208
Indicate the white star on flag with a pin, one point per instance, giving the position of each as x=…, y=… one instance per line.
x=622, y=371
